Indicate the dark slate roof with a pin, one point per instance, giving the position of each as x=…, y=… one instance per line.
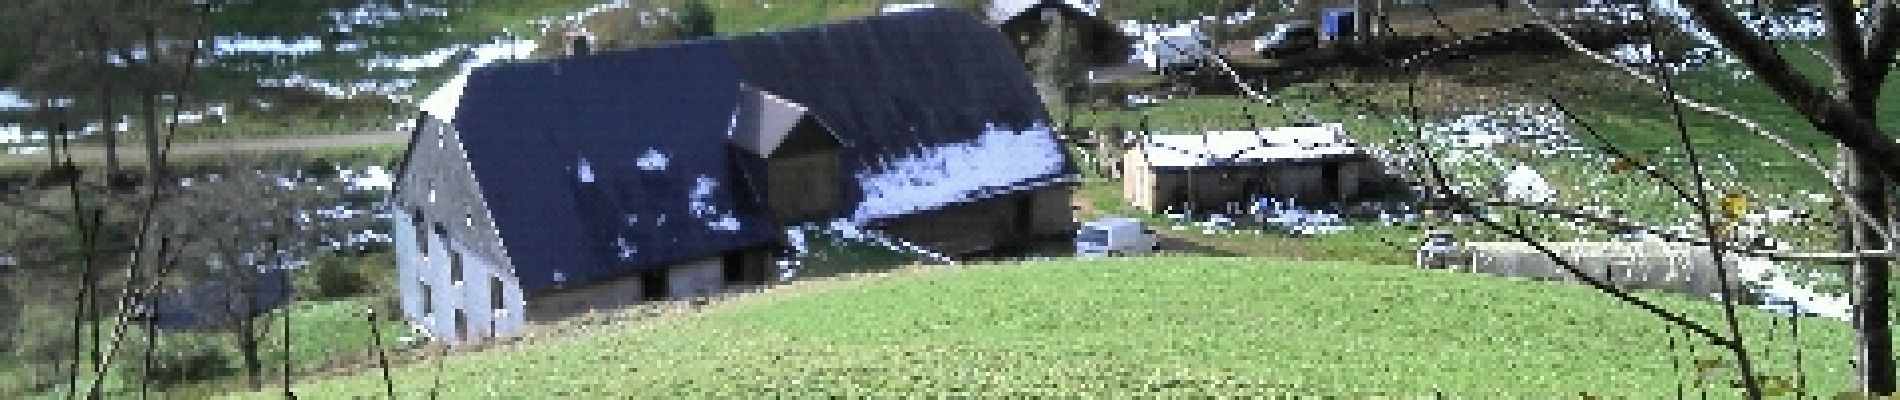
x=895, y=84
x=528, y=127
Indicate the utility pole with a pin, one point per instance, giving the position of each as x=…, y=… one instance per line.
x=1873, y=356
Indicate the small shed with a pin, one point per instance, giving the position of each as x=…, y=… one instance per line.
x=1312, y=165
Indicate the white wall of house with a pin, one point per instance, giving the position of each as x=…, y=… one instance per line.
x=435, y=309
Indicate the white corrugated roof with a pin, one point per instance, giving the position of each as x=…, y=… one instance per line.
x=1002, y=10
x=1272, y=144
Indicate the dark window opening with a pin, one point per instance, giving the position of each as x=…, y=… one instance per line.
x=653, y=284
x=497, y=297
x=745, y=267
x=461, y=325
x=455, y=266
x=1094, y=236
x=1025, y=217
x=428, y=300
x=1329, y=182
x=422, y=237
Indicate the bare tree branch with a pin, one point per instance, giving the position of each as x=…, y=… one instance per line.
x=1883, y=39
x=1834, y=68
x=1834, y=118
x=1845, y=38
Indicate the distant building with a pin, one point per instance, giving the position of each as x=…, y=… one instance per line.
x=1104, y=43
x=1312, y=165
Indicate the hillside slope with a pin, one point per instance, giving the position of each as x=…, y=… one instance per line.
x=1173, y=325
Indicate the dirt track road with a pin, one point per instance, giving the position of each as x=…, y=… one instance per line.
x=133, y=153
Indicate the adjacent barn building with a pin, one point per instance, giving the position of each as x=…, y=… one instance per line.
x=1312, y=165
x=535, y=190
x=1025, y=21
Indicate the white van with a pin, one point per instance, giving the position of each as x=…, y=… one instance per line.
x=1114, y=236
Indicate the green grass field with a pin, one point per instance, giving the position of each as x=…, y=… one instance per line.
x=1159, y=325
x=321, y=332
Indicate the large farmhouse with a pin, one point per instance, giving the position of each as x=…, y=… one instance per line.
x=534, y=190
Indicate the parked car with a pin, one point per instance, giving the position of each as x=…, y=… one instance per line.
x=1115, y=236
x=1287, y=38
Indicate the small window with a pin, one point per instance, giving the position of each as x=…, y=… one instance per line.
x=422, y=237
x=496, y=296
x=461, y=325
x=455, y=267
x=428, y=300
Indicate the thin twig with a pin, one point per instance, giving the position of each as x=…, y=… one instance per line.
x=1833, y=178
x=1751, y=384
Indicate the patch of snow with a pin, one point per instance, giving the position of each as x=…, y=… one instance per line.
x=585, y=172
x=1804, y=23
x=905, y=7
x=999, y=160
x=627, y=250
x=1508, y=124
x=375, y=14
x=1214, y=148
x=1526, y=185
x=653, y=160
x=1290, y=218
x=699, y=202
x=443, y=102
x=1785, y=296
x=1241, y=17
x=851, y=230
x=432, y=59
x=374, y=177
x=726, y=222
x=233, y=45
x=12, y=101
x=1633, y=53
x=12, y=134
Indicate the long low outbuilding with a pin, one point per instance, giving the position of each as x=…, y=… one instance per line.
x=1309, y=165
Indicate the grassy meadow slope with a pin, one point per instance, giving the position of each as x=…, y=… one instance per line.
x=1205, y=326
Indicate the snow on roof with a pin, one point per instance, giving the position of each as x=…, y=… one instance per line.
x=952, y=173
x=897, y=8
x=1223, y=147
x=1003, y=10
x=443, y=102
